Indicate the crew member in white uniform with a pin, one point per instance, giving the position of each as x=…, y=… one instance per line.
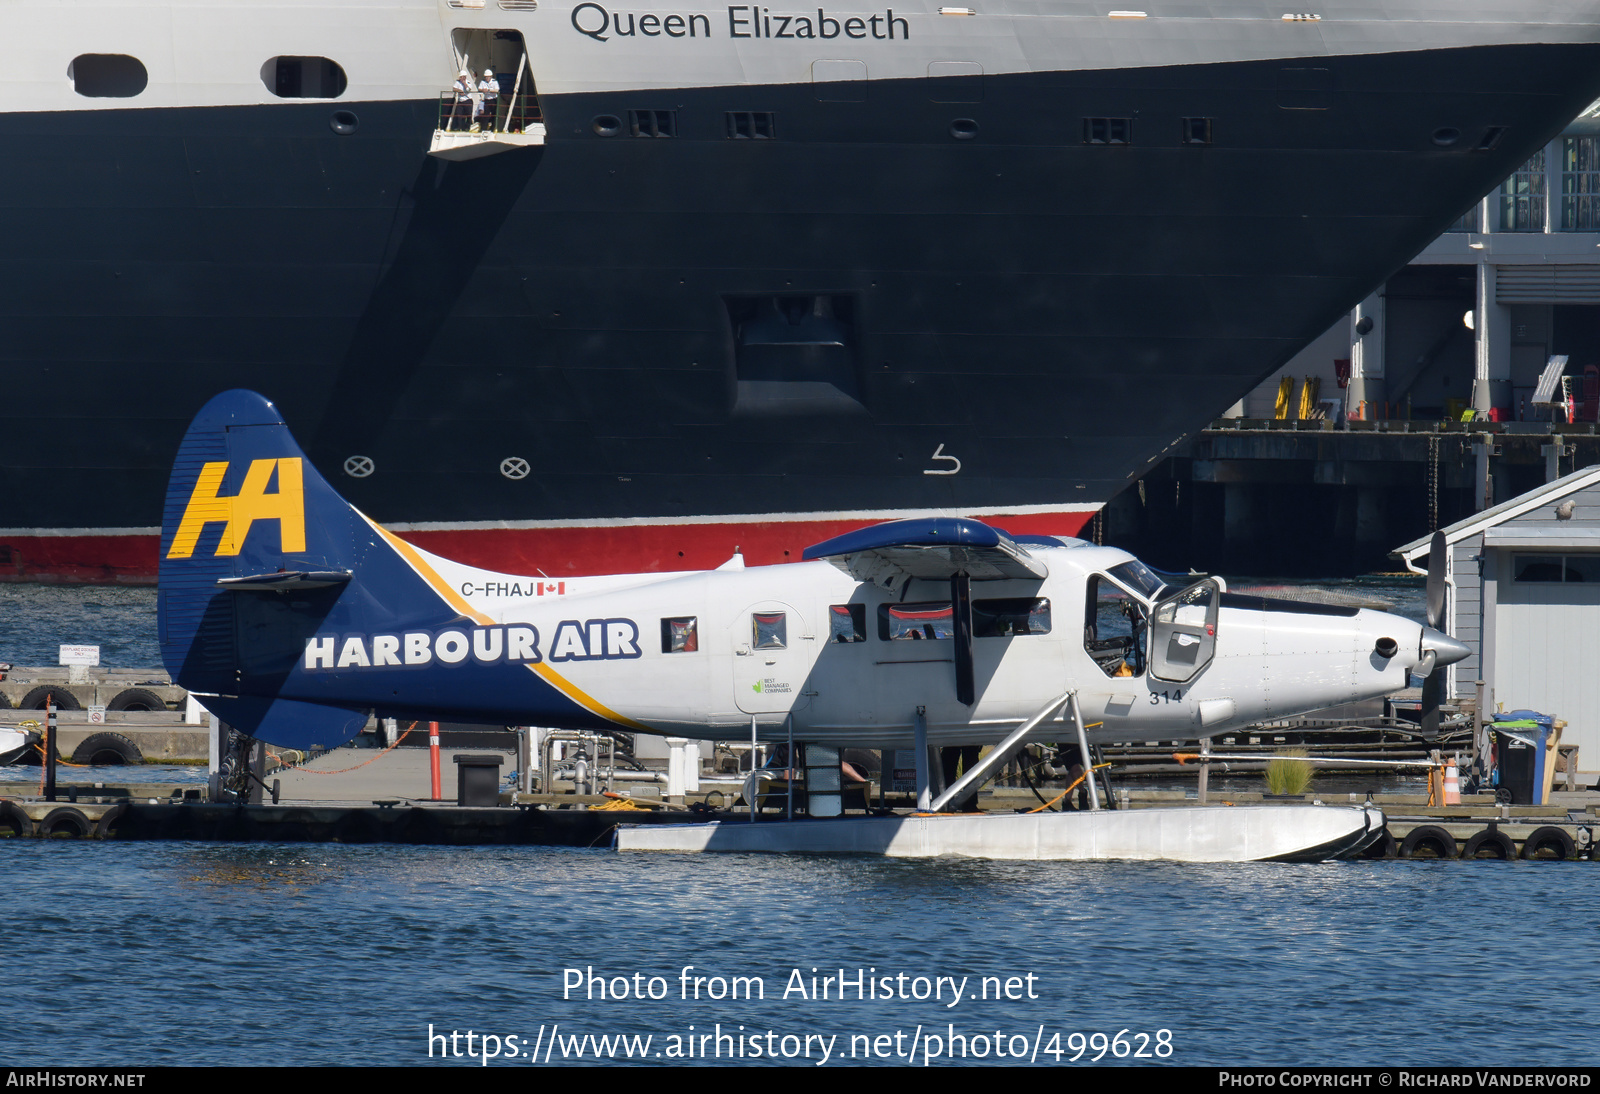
x=461, y=118
x=489, y=96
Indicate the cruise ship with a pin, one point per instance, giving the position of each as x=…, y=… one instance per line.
x=707, y=278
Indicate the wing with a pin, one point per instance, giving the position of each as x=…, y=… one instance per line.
x=929, y=547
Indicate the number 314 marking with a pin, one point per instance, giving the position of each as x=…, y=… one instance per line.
x=1159, y=697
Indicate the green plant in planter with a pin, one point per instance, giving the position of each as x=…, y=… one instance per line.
x=1289, y=773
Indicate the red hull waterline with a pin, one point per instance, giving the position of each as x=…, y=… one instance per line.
x=128, y=556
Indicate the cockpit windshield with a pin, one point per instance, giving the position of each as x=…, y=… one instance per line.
x=1138, y=577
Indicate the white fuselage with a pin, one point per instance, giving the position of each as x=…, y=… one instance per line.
x=775, y=642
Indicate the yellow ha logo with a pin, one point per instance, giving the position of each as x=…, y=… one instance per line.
x=287, y=506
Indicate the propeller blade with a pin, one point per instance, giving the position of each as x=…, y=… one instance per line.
x=1436, y=561
x=1432, y=696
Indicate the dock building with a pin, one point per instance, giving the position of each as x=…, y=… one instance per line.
x=1522, y=589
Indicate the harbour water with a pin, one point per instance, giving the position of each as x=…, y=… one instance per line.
x=180, y=953
x=294, y=954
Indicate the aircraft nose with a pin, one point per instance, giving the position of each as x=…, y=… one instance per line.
x=1447, y=650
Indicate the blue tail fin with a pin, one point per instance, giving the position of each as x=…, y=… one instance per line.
x=244, y=502
x=283, y=607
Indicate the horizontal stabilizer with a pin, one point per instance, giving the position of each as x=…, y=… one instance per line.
x=932, y=548
x=285, y=581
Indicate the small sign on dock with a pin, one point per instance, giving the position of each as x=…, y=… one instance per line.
x=80, y=655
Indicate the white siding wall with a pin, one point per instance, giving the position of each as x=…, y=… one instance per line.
x=1468, y=616
x=1547, y=655
x=1547, y=635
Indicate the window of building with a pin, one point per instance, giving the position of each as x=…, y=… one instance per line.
x=1568, y=569
x=107, y=75
x=769, y=630
x=303, y=78
x=931, y=620
x=1108, y=131
x=752, y=125
x=847, y=623
x=653, y=123
x=680, y=634
x=1522, y=197
x=1469, y=221
x=1580, y=184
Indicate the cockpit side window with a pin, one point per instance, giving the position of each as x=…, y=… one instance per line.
x=1113, y=628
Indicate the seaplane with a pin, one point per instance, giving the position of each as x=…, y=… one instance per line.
x=294, y=618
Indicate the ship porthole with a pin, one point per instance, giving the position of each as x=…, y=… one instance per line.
x=608, y=125
x=963, y=129
x=514, y=467
x=359, y=467
x=1446, y=136
x=343, y=122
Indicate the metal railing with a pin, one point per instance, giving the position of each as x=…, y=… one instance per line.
x=468, y=113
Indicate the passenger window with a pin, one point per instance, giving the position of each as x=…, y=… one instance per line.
x=848, y=623
x=1113, y=629
x=770, y=630
x=1010, y=617
x=679, y=635
x=932, y=620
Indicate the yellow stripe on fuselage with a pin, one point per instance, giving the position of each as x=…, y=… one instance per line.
x=455, y=600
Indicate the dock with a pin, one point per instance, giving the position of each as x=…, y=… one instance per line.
x=1478, y=828
x=1350, y=489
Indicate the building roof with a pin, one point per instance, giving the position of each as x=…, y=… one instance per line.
x=1506, y=510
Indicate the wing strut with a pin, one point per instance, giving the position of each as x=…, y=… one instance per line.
x=961, y=610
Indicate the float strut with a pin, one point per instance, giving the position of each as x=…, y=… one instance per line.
x=919, y=745
x=1002, y=752
x=1083, y=750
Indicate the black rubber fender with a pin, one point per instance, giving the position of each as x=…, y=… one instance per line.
x=5, y=703
x=1549, y=838
x=65, y=822
x=1491, y=840
x=64, y=699
x=14, y=821
x=106, y=827
x=137, y=699
x=107, y=748
x=1430, y=838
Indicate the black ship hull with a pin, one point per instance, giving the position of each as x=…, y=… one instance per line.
x=659, y=349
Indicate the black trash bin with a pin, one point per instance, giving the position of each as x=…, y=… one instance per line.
x=1515, y=757
x=478, y=779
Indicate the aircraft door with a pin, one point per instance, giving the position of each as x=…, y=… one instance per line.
x=1183, y=632
x=772, y=654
